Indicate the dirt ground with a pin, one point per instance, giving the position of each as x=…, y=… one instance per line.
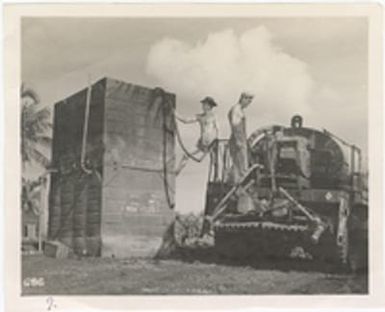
x=183, y=275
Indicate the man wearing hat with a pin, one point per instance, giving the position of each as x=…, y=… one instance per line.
x=208, y=126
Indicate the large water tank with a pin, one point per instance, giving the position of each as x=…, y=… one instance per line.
x=121, y=205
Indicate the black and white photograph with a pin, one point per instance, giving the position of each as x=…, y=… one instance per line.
x=194, y=155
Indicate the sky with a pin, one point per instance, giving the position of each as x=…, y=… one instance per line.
x=316, y=67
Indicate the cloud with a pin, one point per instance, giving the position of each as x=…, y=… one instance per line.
x=223, y=65
x=226, y=63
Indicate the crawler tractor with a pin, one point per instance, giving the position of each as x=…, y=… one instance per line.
x=308, y=194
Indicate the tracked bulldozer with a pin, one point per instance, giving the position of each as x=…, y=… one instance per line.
x=308, y=195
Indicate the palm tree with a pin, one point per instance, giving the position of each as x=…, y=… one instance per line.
x=35, y=124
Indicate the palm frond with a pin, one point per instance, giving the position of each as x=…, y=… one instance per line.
x=31, y=94
x=42, y=113
x=25, y=150
x=43, y=140
x=35, y=126
x=39, y=157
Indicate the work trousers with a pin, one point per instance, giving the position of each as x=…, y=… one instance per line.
x=239, y=156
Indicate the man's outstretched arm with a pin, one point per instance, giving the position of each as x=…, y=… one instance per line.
x=185, y=120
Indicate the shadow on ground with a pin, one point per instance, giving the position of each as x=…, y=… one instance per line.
x=208, y=255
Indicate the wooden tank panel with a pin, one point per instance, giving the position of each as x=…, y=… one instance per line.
x=75, y=197
x=136, y=210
